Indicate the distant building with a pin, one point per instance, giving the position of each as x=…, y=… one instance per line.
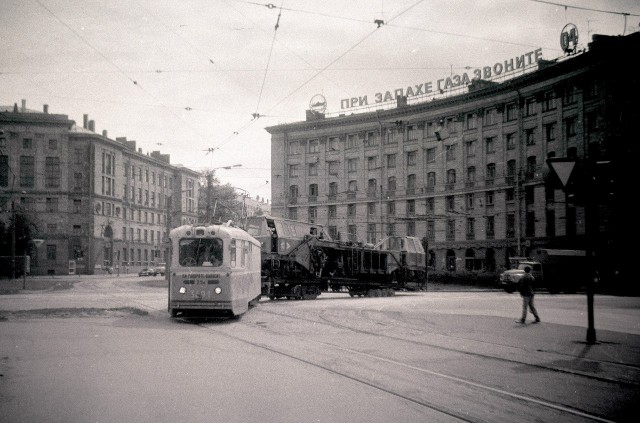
x=467, y=173
x=255, y=206
x=97, y=203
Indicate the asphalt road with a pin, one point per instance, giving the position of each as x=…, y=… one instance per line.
x=105, y=349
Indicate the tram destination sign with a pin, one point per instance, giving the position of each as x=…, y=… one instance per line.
x=444, y=84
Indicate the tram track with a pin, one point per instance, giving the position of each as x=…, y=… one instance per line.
x=378, y=361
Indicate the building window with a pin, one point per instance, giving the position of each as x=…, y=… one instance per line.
x=511, y=225
x=293, y=191
x=313, y=169
x=451, y=230
x=549, y=101
x=333, y=190
x=353, y=186
x=51, y=252
x=490, y=117
x=333, y=167
x=470, y=201
x=4, y=171
x=470, y=147
x=491, y=172
x=570, y=95
x=530, y=136
x=532, y=166
x=372, y=162
x=293, y=213
x=391, y=161
x=530, y=226
x=431, y=180
x=431, y=155
x=488, y=198
x=391, y=183
x=450, y=152
x=372, y=187
x=511, y=171
x=429, y=205
x=411, y=207
x=314, y=146
x=490, y=145
x=411, y=228
x=411, y=184
x=371, y=233
x=490, y=227
x=450, y=203
x=571, y=127
x=370, y=139
x=352, y=232
x=550, y=132
x=352, y=140
x=413, y=132
x=333, y=211
x=371, y=209
x=431, y=230
x=53, y=144
x=313, y=190
x=471, y=228
x=411, y=158
x=451, y=177
x=471, y=174
x=391, y=229
x=352, y=165
x=293, y=147
x=551, y=223
x=391, y=208
x=52, y=204
x=512, y=112
x=511, y=141
x=293, y=171
x=334, y=143
x=529, y=197
x=530, y=106
x=77, y=206
x=27, y=171
x=313, y=213
x=27, y=143
x=351, y=210
x=472, y=122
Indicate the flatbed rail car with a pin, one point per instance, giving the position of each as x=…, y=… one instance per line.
x=213, y=270
x=299, y=261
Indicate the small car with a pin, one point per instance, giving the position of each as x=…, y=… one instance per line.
x=148, y=271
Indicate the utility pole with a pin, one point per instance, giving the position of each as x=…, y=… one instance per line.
x=208, y=217
x=13, y=240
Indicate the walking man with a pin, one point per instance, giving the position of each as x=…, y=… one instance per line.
x=526, y=292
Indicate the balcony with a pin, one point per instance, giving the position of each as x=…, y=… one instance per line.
x=293, y=200
x=390, y=193
x=411, y=191
x=489, y=182
x=469, y=184
x=313, y=198
x=351, y=195
x=333, y=197
x=372, y=194
x=450, y=186
x=430, y=188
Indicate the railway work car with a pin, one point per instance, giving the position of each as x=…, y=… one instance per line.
x=213, y=270
x=300, y=261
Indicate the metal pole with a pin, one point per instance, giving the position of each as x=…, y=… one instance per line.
x=13, y=240
x=590, y=225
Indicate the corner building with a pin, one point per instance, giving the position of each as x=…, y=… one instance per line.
x=468, y=173
x=96, y=203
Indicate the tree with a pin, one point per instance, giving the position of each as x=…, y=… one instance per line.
x=217, y=203
x=25, y=231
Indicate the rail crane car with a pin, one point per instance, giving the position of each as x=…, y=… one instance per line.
x=300, y=261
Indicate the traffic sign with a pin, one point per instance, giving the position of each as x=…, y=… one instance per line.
x=563, y=168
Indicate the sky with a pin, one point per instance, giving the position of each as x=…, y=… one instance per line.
x=202, y=79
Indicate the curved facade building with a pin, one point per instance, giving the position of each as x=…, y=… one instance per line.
x=468, y=173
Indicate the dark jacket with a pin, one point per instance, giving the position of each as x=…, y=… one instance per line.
x=525, y=286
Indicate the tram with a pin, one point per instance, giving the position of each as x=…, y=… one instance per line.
x=213, y=270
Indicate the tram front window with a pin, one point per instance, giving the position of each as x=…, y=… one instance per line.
x=204, y=252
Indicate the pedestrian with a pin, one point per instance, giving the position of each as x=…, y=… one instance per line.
x=525, y=287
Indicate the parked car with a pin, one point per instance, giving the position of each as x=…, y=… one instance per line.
x=161, y=269
x=148, y=271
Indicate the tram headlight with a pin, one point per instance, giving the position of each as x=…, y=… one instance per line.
x=183, y=290
x=218, y=290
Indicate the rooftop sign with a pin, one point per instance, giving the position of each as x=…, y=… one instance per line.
x=453, y=81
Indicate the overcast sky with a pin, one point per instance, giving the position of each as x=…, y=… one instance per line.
x=186, y=76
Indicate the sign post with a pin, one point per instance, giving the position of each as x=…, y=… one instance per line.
x=563, y=168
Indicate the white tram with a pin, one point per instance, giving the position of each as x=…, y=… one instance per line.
x=213, y=270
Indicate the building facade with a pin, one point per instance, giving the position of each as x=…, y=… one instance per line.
x=468, y=173
x=96, y=203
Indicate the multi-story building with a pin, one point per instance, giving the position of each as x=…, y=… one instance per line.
x=467, y=173
x=96, y=202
